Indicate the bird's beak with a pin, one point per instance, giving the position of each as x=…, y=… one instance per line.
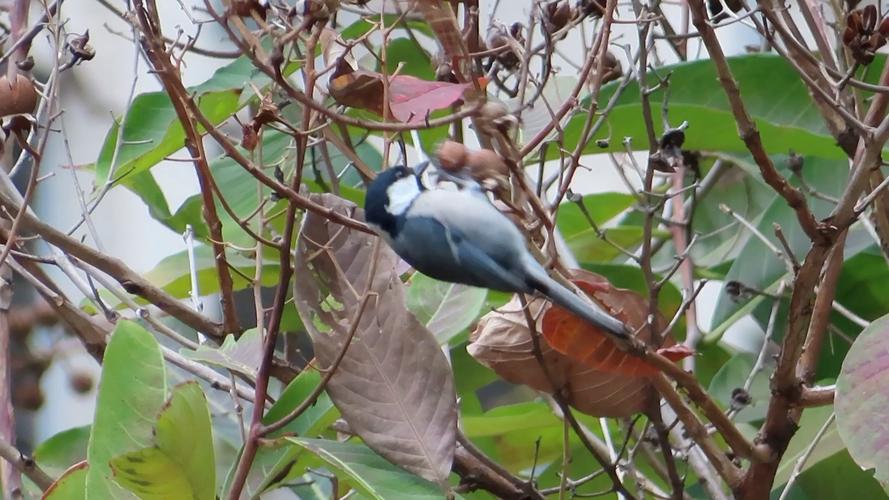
x=421, y=167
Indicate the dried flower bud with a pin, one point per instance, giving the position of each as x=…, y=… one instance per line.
x=249, y=138
x=498, y=40
x=795, y=162
x=592, y=8
x=740, y=398
x=80, y=47
x=602, y=143
x=611, y=68
x=865, y=33
x=556, y=16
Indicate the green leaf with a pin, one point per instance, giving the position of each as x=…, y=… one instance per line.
x=184, y=434
x=833, y=477
x=446, y=309
x=131, y=394
x=61, y=451
x=282, y=462
x=733, y=375
x=366, y=24
x=242, y=355
x=528, y=418
x=152, y=475
x=152, y=130
x=601, y=207
x=773, y=93
x=410, y=57
x=757, y=266
x=70, y=486
x=315, y=419
x=861, y=401
x=587, y=246
x=368, y=472
x=810, y=424
x=173, y=274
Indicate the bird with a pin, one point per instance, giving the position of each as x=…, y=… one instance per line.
x=459, y=236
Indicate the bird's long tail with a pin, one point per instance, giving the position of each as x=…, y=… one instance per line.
x=584, y=309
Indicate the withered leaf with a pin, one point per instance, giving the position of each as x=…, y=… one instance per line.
x=575, y=338
x=394, y=386
x=502, y=341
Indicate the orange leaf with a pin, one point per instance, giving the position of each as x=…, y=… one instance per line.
x=582, y=342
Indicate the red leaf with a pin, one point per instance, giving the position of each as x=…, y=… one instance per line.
x=582, y=342
x=412, y=99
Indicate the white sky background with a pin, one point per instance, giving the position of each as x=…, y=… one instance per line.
x=98, y=90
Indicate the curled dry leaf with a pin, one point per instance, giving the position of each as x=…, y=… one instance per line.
x=575, y=338
x=598, y=378
x=394, y=386
x=502, y=342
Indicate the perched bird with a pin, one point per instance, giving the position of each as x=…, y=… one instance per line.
x=460, y=237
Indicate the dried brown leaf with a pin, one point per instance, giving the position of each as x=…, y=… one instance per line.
x=394, y=386
x=502, y=341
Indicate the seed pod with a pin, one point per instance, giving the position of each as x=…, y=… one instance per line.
x=452, y=155
x=19, y=97
x=485, y=164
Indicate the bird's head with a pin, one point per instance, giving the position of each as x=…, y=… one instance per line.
x=389, y=196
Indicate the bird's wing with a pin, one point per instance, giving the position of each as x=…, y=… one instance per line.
x=447, y=254
x=475, y=218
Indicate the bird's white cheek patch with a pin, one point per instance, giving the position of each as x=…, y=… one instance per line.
x=401, y=194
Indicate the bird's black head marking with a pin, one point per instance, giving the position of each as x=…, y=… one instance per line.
x=378, y=205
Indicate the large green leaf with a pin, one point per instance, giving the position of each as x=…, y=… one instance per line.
x=757, y=266
x=243, y=355
x=283, y=461
x=151, y=474
x=315, y=419
x=861, y=400
x=527, y=418
x=184, y=434
x=601, y=208
x=131, y=394
x=152, y=130
x=447, y=309
x=773, y=93
x=368, y=472
x=173, y=275
x=733, y=375
x=587, y=246
x=70, y=486
x=61, y=451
